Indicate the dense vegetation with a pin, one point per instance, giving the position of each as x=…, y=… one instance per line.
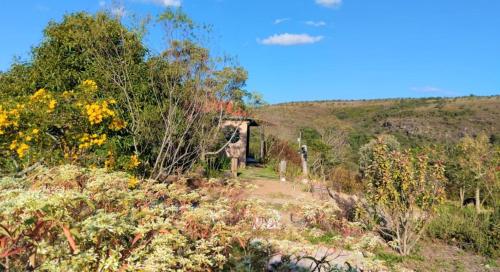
x=94, y=95
x=99, y=137
x=460, y=135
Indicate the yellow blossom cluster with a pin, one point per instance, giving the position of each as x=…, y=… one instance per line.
x=20, y=145
x=43, y=95
x=52, y=105
x=134, y=162
x=96, y=112
x=89, y=85
x=40, y=94
x=132, y=182
x=87, y=140
x=9, y=118
x=20, y=148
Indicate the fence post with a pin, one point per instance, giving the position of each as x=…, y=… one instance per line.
x=234, y=167
x=282, y=170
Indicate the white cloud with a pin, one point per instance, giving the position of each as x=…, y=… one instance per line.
x=118, y=11
x=166, y=3
x=329, y=3
x=281, y=20
x=316, y=23
x=290, y=39
x=102, y=3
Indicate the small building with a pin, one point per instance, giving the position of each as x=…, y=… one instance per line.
x=237, y=131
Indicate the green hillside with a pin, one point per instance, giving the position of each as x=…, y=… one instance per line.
x=414, y=122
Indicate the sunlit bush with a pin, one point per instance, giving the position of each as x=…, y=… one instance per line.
x=76, y=126
x=72, y=219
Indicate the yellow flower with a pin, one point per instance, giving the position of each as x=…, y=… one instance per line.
x=96, y=112
x=89, y=85
x=21, y=150
x=134, y=161
x=132, y=182
x=87, y=141
x=13, y=145
x=117, y=124
x=100, y=140
x=35, y=131
x=4, y=120
x=39, y=94
x=52, y=105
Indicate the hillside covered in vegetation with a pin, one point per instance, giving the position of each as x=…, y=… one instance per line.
x=414, y=122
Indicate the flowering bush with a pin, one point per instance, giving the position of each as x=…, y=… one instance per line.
x=77, y=126
x=69, y=219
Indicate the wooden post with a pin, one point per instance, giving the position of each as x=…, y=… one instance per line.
x=234, y=167
x=282, y=170
x=478, y=201
x=262, y=144
x=303, y=158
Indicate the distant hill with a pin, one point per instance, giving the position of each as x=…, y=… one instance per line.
x=412, y=121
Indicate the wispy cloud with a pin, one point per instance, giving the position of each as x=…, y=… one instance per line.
x=118, y=11
x=287, y=39
x=329, y=3
x=316, y=23
x=432, y=90
x=281, y=20
x=102, y=3
x=166, y=3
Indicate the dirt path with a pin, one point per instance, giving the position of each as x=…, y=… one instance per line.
x=280, y=196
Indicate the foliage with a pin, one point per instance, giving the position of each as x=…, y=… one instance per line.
x=468, y=229
x=344, y=180
x=471, y=165
x=403, y=188
x=92, y=81
x=68, y=218
x=321, y=156
x=75, y=126
x=366, y=152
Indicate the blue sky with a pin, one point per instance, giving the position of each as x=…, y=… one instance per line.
x=318, y=49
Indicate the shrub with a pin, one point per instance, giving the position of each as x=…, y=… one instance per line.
x=344, y=180
x=73, y=219
x=403, y=190
x=468, y=229
x=77, y=126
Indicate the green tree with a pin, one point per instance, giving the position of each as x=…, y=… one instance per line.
x=473, y=159
x=403, y=190
x=170, y=102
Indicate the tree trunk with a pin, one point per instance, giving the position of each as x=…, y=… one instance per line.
x=462, y=197
x=478, y=200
